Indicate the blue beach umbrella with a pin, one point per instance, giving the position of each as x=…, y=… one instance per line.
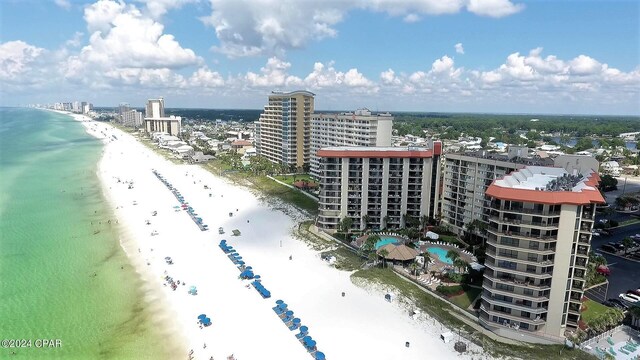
x=289, y=313
x=320, y=355
x=282, y=305
x=296, y=321
x=303, y=329
x=306, y=339
x=278, y=301
x=202, y=316
x=311, y=343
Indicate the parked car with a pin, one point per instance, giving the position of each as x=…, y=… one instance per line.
x=636, y=292
x=632, y=295
x=604, y=270
x=628, y=298
x=595, y=233
x=609, y=248
x=618, y=303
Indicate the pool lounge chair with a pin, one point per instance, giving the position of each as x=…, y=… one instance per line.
x=610, y=341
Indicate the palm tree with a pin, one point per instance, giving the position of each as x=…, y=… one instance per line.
x=427, y=259
x=424, y=222
x=346, y=224
x=385, y=221
x=453, y=255
x=627, y=243
x=365, y=221
x=370, y=243
x=383, y=253
x=414, y=268
x=460, y=264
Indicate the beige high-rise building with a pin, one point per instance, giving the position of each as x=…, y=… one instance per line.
x=154, y=108
x=359, y=128
x=378, y=187
x=539, y=237
x=283, y=132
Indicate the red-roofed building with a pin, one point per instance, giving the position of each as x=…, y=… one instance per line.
x=378, y=187
x=538, y=242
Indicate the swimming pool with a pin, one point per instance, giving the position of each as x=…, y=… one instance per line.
x=441, y=254
x=384, y=241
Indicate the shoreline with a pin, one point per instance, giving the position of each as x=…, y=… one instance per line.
x=341, y=325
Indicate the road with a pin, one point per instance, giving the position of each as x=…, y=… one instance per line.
x=625, y=274
x=632, y=185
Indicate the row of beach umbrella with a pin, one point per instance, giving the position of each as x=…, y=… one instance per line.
x=246, y=272
x=293, y=323
x=185, y=205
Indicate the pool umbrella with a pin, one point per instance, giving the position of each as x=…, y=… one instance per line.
x=311, y=343
x=282, y=305
x=289, y=313
x=306, y=339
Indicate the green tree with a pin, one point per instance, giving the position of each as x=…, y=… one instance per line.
x=383, y=253
x=608, y=183
x=365, y=220
x=627, y=243
x=370, y=243
x=460, y=264
x=427, y=259
x=345, y=224
x=453, y=255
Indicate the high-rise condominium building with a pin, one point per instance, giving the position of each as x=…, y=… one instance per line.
x=377, y=187
x=155, y=108
x=283, y=132
x=132, y=118
x=539, y=236
x=467, y=176
x=359, y=128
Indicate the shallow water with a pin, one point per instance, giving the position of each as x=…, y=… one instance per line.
x=63, y=273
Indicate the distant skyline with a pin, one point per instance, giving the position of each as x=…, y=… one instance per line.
x=477, y=56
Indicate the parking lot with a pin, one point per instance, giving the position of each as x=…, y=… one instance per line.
x=625, y=273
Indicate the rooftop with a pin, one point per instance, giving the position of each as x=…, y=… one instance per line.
x=381, y=152
x=548, y=185
x=483, y=154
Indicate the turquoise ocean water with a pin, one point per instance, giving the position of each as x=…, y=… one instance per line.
x=63, y=274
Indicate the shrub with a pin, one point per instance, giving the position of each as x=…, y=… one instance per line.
x=449, y=291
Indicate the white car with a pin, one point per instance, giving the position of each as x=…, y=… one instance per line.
x=628, y=298
x=595, y=233
x=633, y=296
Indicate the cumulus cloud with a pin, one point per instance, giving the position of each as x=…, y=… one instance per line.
x=459, y=48
x=326, y=76
x=271, y=27
x=127, y=46
x=206, y=78
x=273, y=74
x=16, y=57
x=157, y=8
x=494, y=8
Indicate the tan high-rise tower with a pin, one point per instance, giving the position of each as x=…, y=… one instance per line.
x=283, y=132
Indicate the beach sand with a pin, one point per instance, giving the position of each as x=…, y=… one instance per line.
x=360, y=325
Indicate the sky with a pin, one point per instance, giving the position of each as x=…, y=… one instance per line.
x=489, y=56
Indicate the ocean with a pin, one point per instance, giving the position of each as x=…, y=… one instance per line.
x=63, y=275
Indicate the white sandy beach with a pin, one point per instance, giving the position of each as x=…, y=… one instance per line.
x=361, y=325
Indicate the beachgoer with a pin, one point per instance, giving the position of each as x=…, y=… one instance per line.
x=290, y=257
x=204, y=346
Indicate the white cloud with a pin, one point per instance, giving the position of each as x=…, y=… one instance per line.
x=123, y=40
x=76, y=40
x=206, y=78
x=459, y=48
x=328, y=77
x=389, y=78
x=584, y=65
x=65, y=4
x=15, y=59
x=157, y=8
x=494, y=8
x=273, y=74
x=411, y=18
x=247, y=28
x=271, y=27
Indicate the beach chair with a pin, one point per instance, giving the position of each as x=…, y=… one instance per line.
x=613, y=352
x=610, y=341
x=622, y=350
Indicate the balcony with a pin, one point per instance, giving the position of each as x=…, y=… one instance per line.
x=511, y=305
x=537, y=321
x=521, y=283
